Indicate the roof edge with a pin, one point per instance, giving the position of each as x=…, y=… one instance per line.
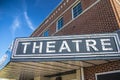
x=46, y=18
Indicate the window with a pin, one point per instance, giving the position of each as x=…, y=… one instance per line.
x=113, y=75
x=46, y=33
x=76, y=10
x=60, y=23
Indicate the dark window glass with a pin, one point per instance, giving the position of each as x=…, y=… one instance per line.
x=110, y=76
x=46, y=33
x=60, y=23
x=77, y=10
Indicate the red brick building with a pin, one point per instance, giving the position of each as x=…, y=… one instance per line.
x=76, y=17
x=96, y=16
x=73, y=17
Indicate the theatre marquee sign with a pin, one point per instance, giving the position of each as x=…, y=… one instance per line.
x=74, y=47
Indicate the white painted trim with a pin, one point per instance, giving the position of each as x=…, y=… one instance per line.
x=42, y=23
x=45, y=31
x=118, y=1
x=79, y=15
x=106, y=73
x=82, y=73
x=66, y=55
x=57, y=23
x=57, y=17
x=64, y=13
x=73, y=7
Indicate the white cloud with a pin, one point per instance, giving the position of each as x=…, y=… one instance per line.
x=15, y=25
x=30, y=25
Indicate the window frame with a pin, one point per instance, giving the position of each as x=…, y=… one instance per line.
x=44, y=33
x=103, y=73
x=74, y=7
x=57, y=29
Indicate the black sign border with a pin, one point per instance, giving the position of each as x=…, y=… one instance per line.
x=73, y=56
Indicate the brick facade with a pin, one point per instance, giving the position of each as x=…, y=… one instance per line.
x=95, y=18
x=91, y=71
x=98, y=16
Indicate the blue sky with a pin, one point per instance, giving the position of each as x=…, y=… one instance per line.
x=19, y=18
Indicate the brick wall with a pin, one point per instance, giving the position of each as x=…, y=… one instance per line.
x=48, y=23
x=90, y=72
x=99, y=18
